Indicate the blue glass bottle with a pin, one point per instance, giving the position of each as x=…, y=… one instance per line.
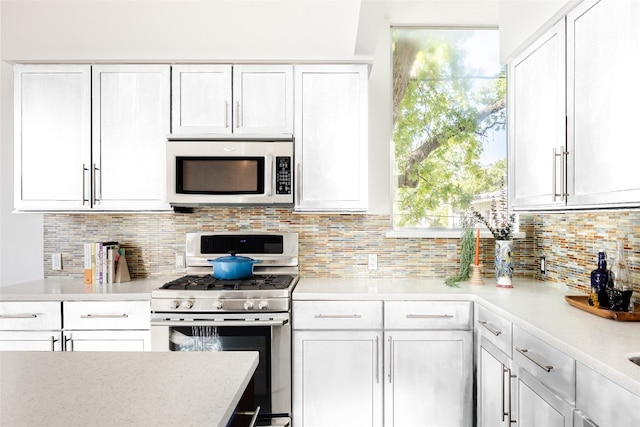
x=599, y=282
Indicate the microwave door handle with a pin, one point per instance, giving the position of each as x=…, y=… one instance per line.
x=269, y=178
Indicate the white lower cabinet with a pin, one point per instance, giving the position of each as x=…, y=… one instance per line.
x=496, y=403
x=30, y=326
x=107, y=326
x=428, y=378
x=337, y=378
x=349, y=369
x=600, y=402
x=545, y=383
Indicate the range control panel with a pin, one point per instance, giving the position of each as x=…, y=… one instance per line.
x=283, y=175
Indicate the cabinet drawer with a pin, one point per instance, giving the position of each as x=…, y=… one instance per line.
x=605, y=402
x=552, y=368
x=427, y=315
x=30, y=315
x=337, y=314
x=494, y=328
x=107, y=315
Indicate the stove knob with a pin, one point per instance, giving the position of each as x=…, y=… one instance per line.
x=187, y=304
x=248, y=305
x=218, y=305
x=174, y=304
x=263, y=305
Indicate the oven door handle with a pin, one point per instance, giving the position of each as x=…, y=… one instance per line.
x=274, y=322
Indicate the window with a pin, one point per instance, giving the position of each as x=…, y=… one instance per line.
x=449, y=115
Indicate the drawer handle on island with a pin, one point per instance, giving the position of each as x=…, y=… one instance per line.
x=53, y=343
x=254, y=415
x=18, y=316
x=104, y=316
x=524, y=351
x=429, y=316
x=495, y=332
x=338, y=316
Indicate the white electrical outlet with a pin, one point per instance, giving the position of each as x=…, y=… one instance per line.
x=373, y=261
x=56, y=261
x=179, y=261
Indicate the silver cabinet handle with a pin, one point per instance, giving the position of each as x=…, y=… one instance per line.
x=390, y=340
x=96, y=191
x=84, y=186
x=269, y=166
x=19, y=316
x=338, y=316
x=104, y=316
x=377, y=361
x=494, y=331
x=64, y=344
x=226, y=114
x=563, y=157
x=429, y=316
x=524, y=352
x=53, y=343
x=237, y=114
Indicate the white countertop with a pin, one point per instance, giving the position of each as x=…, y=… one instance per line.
x=69, y=289
x=537, y=307
x=122, y=388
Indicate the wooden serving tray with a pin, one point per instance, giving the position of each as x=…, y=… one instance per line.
x=582, y=302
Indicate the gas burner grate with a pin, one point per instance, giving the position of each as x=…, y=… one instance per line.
x=209, y=282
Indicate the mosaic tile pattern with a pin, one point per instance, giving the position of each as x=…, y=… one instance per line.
x=331, y=245
x=570, y=242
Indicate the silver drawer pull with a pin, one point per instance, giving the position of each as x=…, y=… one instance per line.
x=338, y=316
x=429, y=316
x=18, y=316
x=104, y=316
x=495, y=332
x=524, y=351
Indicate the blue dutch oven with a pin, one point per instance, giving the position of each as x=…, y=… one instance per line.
x=233, y=267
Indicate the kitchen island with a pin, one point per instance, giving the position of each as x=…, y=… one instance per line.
x=123, y=389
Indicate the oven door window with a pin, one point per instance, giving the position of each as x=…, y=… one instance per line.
x=230, y=338
x=220, y=175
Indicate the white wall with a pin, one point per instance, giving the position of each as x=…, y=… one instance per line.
x=214, y=30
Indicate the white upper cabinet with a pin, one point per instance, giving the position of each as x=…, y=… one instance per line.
x=224, y=99
x=263, y=99
x=52, y=136
x=331, y=123
x=130, y=124
x=603, y=42
x=591, y=149
x=201, y=99
x=90, y=138
x=537, y=122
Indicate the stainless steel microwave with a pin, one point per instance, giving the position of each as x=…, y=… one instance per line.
x=229, y=170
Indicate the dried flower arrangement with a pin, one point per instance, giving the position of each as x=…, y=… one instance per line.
x=500, y=223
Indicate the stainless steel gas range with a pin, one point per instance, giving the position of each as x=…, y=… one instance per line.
x=198, y=312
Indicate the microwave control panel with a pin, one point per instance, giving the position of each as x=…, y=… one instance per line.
x=283, y=175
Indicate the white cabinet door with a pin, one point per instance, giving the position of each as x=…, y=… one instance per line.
x=331, y=138
x=337, y=378
x=201, y=99
x=107, y=341
x=603, y=38
x=30, y=341
x=130, y=124
x=537, y=406
x=537, y=123
x=428, y=378
x=495, y=392
x=263, y=99
x=52, y=134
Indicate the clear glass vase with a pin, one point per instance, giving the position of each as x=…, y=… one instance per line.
x=620, y=277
